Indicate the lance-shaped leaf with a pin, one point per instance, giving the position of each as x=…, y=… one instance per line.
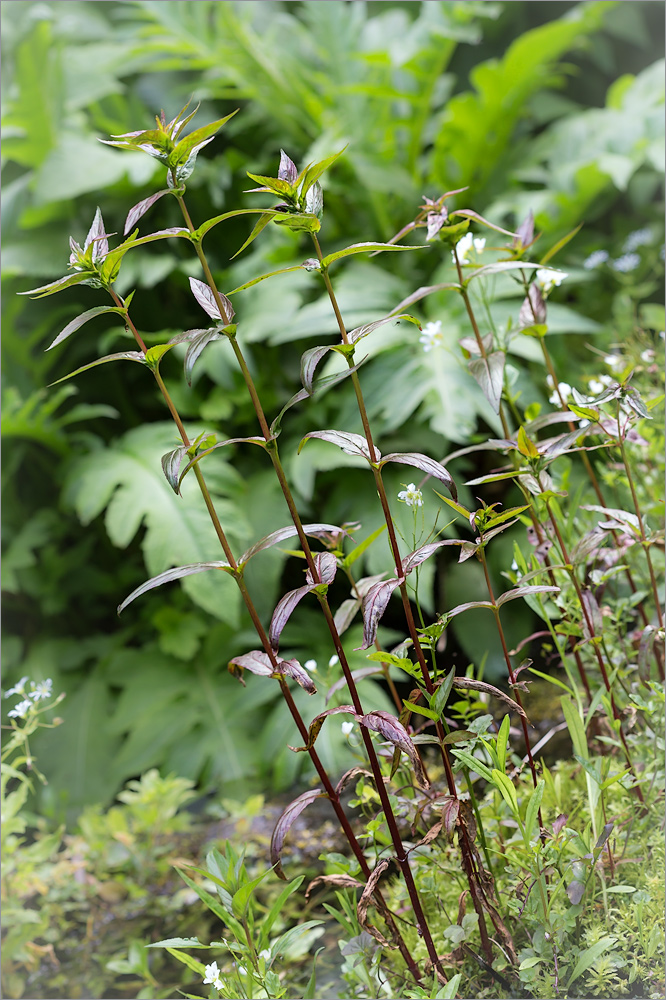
x=365, y=248
x=503, y=265
x=348, y=776
x=489, y=373
x=176, y=573
x=420, y=555
x=283, y=825
x=362, y=331
x=196, y=348
x=258, y=662
x=424, y=291
x=75, y=324
x=220, y=444
x=57, y=286
x=616, y=519
x=592, y=622
x=287, y=171
x=366, y=899
x=281, y=534
x=533, y=310
x=141, y=208
x=467, y=683
x=311, y=174
x=318, y=722
x=335, y=881
x=351, y=444
x=326, y=566
x=469, y=214
x=388, y=726
x=518, y=592
x=185, y=147
x=346, y=613
x=425, y=464
x=309, y=361
x=374, y=605
x=120, y=356
x=270, y=274
x=206, y=299
x=171, y=465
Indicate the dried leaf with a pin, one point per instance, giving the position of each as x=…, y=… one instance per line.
x=318, y=722
x=348, y=776
x=337, y=881
x=469, y=682
x=366, y=899
x=284, y=823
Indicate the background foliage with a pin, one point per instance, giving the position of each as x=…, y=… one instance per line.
x=554, y=107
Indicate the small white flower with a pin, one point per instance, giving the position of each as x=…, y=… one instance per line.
x=333, y=660
x=627, y=262
x=639, y=238
x=467, y=245
x=310, y=665
x=614, y=361
x=213, y=975
x=514, y=565
x=41, y=690
x=547, y=279
x=265, y=954
x=647, y=356
x=242, y=971
x=411, y=496
x=18, y=688
x=431, y=336
x=597, y=385
x=596, y=258
x=347, y=728
x=564, y=391
x=21, y=710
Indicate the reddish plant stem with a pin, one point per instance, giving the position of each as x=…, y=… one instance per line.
x=300, y=724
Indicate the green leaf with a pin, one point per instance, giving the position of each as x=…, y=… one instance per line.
x=533, y=807
x=183, y=149
x=58, y=286
x=502, y=742
x=126, y=481
x=364, y=248
x=313, y=172
x=587, y=958
x=358, y=551
x=439, y=697
x=120, y=356
x=575, y=727
x=191, y=963
x=505, y=786
x=466, y=758
x=421, y=710
x=75, y=324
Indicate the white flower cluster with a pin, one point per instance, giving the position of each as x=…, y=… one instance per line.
x=311, y=665
x=411, y=496
x=596, y=258
x=431, y=336
x=627, y=262
x=597, y=385
x=639, y=238
x=466, y=246
x=547, y=278
x=38, y=692
x=213, y=976
x=564, y=391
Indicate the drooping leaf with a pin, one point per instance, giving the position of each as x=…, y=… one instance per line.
x=357, y=675
x=75, y=324
x=120, y=356
x=326, y=566
x=365, y=248
x=351, y=444
x=336, y=881
x=391, y=729
x=220, y=444
x=171, y=464
x=463, y=683
x=285, y=822
x=309, y=362
x=176, y=573
x=292, y=668
x=489, y=374
x=206, y=299
x=424, y=552
x=363, y=331
x=425, y=464
x=196, y=348
x=346, y=613
x=284, y=610
x=366, y=899
x=518, y=592
x=258, y=662
x=57, y=286
x=374, y=605
x=469, y=214
x=318, y=722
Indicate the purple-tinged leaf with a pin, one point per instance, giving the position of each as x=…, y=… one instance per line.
x=649, y=636
x=287, y=171
x=425, y=464
x=335, y=882
x=357, y=675
x=420, y=555
x=257, y=662
x=196, y=349
x=349, y=775
x=140, y=209
x=345, y=614
x=472, y=346
x=97, y=236
x=366, y=899
x=365, y=248
x=206, y=299
x=489, y=373
x=80, y=320
x=351, y=444
x=467, y=550
x=592, y=622
x=388, y=726
x=518, y=592
x=318, y=722
x=184, y=148
x=467, y=213
x=57, y=286
x=525, y=232
x=465, y=683
x=176, y=573
x=281, y=534
x=283, y=611
x=171, y=464
x=468, y=606
x=292, y=668
x=326, y=566
x=533, y=310
x=423, y=291
x=298, y=397
x=161, y=234
x=188, y=336
x=616, y=519
x=284, y=823
x=309, y=361
x=362, y=331
x=374, y=605
x=220, y=444
x=120, y=356
x=575, y=892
